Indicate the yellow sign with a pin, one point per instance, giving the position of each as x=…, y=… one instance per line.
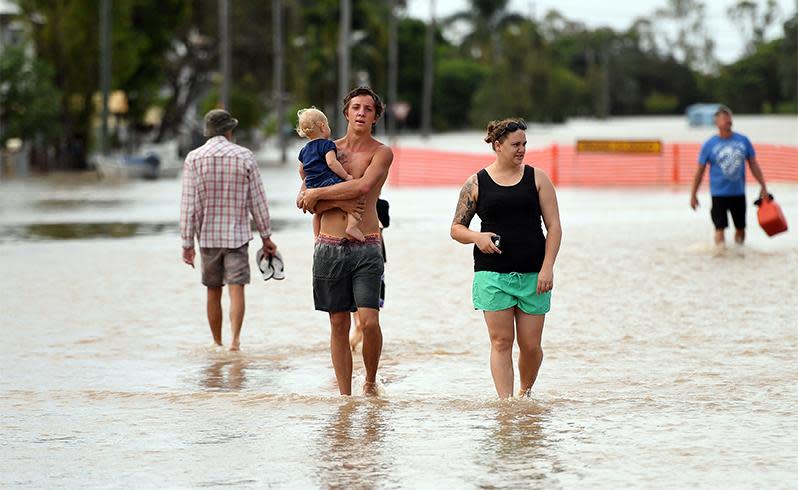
x=619, y=146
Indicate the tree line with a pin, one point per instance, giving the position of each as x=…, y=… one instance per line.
x=488, y=62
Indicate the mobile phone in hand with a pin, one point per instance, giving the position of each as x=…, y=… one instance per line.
x=496, y=239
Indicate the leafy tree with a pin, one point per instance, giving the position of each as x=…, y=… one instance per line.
x=625, y=72
x=528, y=82
x=752, y=84
x=245, y=105
x=165, y=53
x=28, y=99
x=682, y=32
x=640, y=80
x=788, y=63
x=658, y=103
x=67, y=38
x=457, y=80
x=187, y=75
x=753, y=21
x=314, y=75
x=143, y=33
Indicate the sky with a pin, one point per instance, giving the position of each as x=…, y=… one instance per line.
x=620, y=15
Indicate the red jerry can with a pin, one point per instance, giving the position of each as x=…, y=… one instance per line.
x=771, y=219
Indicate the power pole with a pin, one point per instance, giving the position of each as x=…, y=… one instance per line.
x=224, y=52
x=393, y=67
x=277, y=31
x=105, y=69
x=429, y=74
x=344, y=59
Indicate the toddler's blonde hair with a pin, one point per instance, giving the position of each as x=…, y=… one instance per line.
x=310, y=121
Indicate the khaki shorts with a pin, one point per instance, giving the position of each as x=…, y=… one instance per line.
x=222, y=266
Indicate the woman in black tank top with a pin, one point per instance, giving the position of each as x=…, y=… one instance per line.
x=513, y=259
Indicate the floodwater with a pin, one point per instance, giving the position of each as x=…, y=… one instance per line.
x=667, y=365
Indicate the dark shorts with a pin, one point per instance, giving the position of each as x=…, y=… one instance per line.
x=722, y=205
x=347, y=274
x=334, y=179
x=222, y=266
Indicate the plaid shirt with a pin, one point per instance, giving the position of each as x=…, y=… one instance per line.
x=221, y=187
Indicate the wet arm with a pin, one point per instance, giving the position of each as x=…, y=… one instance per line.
x=551, y=218
x=756, y=171
x=351, y=206
x=465, y=212
x=699, y=175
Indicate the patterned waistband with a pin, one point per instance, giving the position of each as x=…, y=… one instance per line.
x=371, y=239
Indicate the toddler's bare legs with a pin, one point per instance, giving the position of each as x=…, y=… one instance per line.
x=352, y=228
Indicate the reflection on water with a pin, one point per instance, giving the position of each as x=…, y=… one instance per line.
x=225, y=374
x=515, y=444
x=350, y=445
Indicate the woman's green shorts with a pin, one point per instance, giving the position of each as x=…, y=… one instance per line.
x=494, y=291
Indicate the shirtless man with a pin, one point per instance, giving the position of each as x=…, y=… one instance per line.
x=346, y=274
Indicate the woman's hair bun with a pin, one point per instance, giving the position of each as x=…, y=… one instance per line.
x=492, y=126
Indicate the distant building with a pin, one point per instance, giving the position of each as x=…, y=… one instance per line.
x=12, y=29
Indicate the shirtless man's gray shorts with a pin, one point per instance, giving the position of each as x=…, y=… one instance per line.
x=346, y=274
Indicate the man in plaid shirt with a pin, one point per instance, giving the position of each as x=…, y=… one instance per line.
x=221, y=188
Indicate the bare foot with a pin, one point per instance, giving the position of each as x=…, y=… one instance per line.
x=354, y=232
x=370, y=388
x=235, y=346
x=525, y=393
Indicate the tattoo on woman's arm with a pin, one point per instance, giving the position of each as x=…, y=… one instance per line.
x=466, y=205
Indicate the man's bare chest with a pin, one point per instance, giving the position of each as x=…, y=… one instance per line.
x=355, y=163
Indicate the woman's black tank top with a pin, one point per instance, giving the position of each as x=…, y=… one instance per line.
x=513, y=212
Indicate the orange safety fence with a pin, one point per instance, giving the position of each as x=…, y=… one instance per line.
x=567, y=167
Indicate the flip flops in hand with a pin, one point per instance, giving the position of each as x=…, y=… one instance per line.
x=271, y=266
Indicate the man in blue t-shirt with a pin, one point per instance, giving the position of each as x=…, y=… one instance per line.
x=726, y=154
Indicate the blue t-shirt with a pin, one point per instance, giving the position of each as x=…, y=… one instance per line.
x=726, y=158
x=314, y=163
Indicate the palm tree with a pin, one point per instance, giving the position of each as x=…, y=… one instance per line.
x=486, y=20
